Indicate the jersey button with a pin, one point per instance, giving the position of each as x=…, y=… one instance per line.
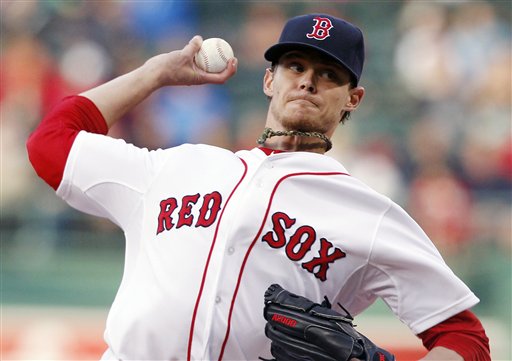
x=217, y=299
x=231, y=250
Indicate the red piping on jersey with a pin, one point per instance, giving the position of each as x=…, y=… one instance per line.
x=254, y=242
x=192, y=324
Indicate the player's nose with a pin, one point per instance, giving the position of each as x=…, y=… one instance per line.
x=308, y=81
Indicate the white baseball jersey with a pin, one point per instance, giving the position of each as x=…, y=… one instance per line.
x=208, y=230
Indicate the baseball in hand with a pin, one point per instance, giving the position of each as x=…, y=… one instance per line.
x=214, y=55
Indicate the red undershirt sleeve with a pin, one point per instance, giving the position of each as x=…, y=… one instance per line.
x=462, y=333
x=49, y=145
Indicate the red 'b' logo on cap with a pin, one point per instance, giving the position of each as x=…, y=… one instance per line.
x=320, y=29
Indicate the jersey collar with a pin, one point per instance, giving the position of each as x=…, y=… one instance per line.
x=269, y=151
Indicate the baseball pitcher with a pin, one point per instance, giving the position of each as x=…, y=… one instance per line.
x=208, y=231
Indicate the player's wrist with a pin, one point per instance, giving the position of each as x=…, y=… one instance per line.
x=154, y=73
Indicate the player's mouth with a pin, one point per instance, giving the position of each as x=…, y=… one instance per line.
x=304, y=99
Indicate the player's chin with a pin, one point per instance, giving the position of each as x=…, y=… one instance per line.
x=304, y=122
x=307, y=118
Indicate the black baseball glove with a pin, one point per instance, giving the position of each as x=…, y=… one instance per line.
x=303, y=330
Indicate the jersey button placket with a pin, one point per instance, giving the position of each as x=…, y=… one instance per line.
x=268, y=165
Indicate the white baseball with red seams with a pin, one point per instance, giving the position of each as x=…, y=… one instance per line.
x=214, y=55
x=208, y=230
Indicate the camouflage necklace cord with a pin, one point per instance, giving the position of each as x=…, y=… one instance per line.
x=268, y=133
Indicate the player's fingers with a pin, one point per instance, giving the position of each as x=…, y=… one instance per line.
x=222, y=77
x=193, y=46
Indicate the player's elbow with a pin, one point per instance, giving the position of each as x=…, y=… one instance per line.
x=48, y=149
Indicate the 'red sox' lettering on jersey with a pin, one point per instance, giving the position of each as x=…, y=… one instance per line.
x=208, y=211
x=320, y=29
x=299, y=244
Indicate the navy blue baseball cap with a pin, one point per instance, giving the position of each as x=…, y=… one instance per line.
x=337, y=38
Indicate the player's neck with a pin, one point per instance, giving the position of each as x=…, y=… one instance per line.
x=295, y=144
x=294, y=141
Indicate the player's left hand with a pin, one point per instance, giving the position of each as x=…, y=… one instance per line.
x=303, y=330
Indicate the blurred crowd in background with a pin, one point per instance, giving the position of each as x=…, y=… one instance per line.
x=433, y=132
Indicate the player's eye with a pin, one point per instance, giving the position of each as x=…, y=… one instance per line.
x=335, y=76
x=330, y=75
x=297, y=67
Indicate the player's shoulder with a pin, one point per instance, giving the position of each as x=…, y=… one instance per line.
x=190, y=155
x=119, y=150
x=105, y=141
x=200, y=147
x=204, y=151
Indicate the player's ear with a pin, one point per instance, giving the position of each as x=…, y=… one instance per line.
x=354, y=98
x=268, y=81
